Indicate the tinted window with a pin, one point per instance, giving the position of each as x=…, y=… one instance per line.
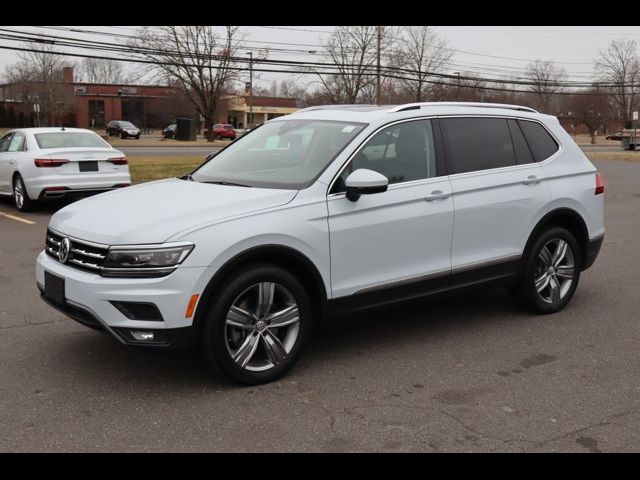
x=523, y=154
x=4, y=142
x=403, y=152
x=541, y=143
x=473, y=144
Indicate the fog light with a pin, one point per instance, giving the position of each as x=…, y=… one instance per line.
x=142, y=336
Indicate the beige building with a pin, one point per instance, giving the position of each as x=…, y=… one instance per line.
x=264, y=108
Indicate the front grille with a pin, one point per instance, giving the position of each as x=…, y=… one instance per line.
x=82, y=255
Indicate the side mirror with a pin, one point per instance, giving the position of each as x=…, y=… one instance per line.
x=365, y=182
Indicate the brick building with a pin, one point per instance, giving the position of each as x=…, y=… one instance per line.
x=91, y=105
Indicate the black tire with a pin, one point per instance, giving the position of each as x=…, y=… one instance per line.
x=214, y=339
x=123, y=135
x=533, y=267
x=26, y=205
x=138, y=137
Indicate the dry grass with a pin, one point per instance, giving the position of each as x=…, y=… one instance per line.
x=623, y=156
x=145, y=169
x=158, y=142
x=584, y=139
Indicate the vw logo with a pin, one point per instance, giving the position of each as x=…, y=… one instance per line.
x=63, y=250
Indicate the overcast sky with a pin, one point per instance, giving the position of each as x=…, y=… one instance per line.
x=487, y=50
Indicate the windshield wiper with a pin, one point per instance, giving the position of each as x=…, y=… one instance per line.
x=232, y=184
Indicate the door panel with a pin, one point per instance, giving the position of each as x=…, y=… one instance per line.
x=493, y=212
x=5, y=166
x=389, y=237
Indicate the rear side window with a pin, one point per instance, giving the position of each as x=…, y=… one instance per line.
x=540, y=141
x=523, y=154
x=473, y=144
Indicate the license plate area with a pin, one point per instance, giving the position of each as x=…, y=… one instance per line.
x=54, y=288
x=88, y=166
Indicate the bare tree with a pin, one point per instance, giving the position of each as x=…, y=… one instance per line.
x=546, y=80
x=198, y=58
x=37, y=77
x=352, y=50
x=589, y=109
x=97, y=70
x=619, y=67
x=421, y=52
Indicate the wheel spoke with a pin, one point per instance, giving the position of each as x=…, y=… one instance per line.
x=239, y=318
x=554, y=289
x=559, y=253
x=265, y=298
x=247, y=349
x=545, y=256
x=565, y=271
x=542, y=281
x=273, y=347
x=284, y=317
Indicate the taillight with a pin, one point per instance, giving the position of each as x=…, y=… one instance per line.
x=48, y=162
x=118, y=160
x=599, y=184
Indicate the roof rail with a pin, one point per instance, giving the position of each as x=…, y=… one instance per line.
x=417, y=106
x=345, y=106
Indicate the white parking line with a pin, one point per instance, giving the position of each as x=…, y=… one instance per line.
x=18, y=219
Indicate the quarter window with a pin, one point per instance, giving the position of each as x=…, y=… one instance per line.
x=473, y=144
x=541, y=143
x=523, y=154
x=403, y=152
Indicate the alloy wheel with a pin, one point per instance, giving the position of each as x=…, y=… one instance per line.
x=554, y=270
x=18, y=193
x=261, y=326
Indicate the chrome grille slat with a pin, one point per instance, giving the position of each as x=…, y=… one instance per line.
x=88, y=254
x=83, y=255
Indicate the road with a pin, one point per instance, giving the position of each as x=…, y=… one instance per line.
x=471, y=373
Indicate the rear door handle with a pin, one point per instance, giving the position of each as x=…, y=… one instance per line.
x=437, y=195
x=531, y=180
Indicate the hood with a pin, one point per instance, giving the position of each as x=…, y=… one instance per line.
x=153, y=212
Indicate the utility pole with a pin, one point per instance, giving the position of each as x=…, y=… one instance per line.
x=250, y=90
x=378, y=68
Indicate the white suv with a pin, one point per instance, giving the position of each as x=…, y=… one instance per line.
x=50, y=163
x=330, y=209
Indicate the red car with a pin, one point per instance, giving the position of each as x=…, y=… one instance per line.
x=222, y=131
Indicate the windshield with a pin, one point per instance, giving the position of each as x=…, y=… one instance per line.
x=284, y=154
x=69, y=139
x=127, y=125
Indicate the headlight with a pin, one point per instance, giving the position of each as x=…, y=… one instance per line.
x=145, y=261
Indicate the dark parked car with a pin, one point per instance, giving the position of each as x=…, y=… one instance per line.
x=614, y=136
x=223, y=130
x=170, y=131
x=122, y=129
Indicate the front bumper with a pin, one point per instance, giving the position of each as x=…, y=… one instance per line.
x=89, y=297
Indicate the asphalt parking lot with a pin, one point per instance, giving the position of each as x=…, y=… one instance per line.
x=470, y=373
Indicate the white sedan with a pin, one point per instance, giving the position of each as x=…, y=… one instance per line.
x=47, y=163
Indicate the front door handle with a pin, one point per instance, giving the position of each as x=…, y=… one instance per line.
x=437, y=195
x=532, y=180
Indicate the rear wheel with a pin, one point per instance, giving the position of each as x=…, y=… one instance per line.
x=551, y=271
x=21, y=196
x=255, y=327
x=123, y=135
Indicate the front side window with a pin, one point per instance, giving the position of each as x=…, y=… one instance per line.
x=286, y=154
x=70, y=140
x=474, y=144
x=5, y=141
x=403, y=152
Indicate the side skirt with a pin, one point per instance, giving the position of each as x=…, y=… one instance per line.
x=503, y=270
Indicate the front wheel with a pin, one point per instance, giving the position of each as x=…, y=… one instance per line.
x=21, y=196
x=551, y=271
x=255, y=327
